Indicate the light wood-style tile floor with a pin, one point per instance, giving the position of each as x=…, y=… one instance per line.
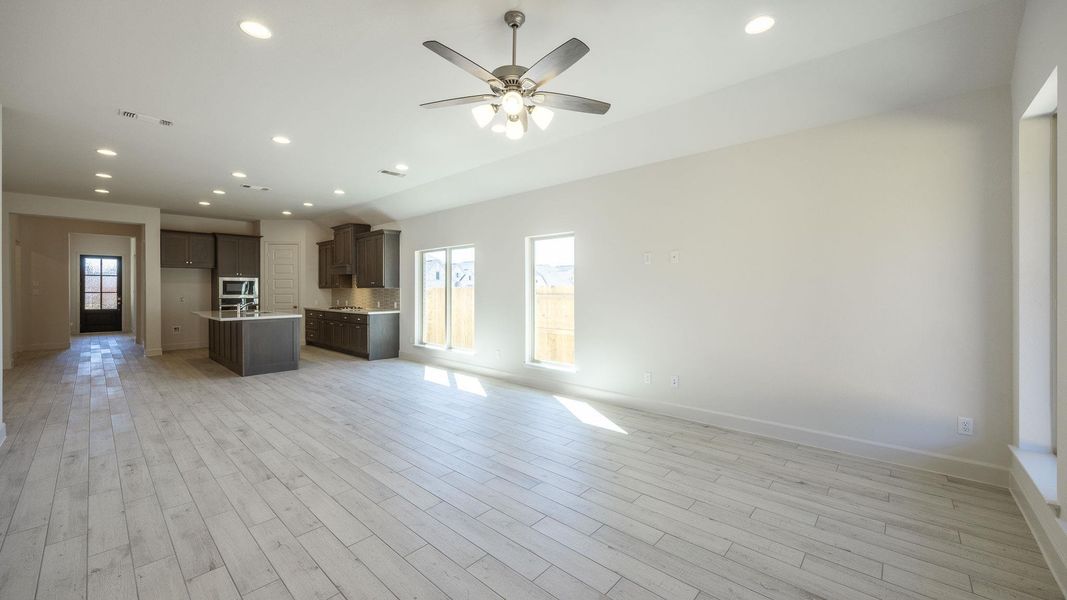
x=126, y=477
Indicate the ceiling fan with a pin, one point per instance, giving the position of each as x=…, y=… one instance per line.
x=515, y=91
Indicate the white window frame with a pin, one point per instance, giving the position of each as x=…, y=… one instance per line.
x=531, y=313
x=419, y=282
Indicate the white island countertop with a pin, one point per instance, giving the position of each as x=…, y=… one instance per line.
x=233, y=315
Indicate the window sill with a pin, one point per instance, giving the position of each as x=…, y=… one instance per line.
x=1041, y=468
x=551, y=367
x=444, y=349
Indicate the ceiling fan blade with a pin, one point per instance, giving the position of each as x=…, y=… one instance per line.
x=463, y=62
x=459, y=101
x=568, y=102
x=556, y=62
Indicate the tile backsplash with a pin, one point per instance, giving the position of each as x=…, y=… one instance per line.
x=367, y=297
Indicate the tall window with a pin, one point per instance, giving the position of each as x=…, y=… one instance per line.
x=446, y=297
x=550, y=300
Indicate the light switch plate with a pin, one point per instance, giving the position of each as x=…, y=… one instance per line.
x=676, y=256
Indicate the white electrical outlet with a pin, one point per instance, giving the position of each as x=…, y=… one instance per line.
x=648, y=258
x=964, y=425
x=177, y=328
x=674, y=381
x=648, y=377
x=676, y=256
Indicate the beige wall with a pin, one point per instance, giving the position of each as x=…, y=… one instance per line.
x=6, y=292
x=207, y=224
x=45, y=270
x=108, y=245
x=22, y=206
x=846, y=286
x=186, y=290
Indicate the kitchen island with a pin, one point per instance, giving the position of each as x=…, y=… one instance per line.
x=253, y=343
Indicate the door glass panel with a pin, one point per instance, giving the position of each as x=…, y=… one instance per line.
x=433, y=298
x=463, y=298
x=100, y=283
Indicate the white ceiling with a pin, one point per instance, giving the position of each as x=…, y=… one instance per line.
x=344, y=79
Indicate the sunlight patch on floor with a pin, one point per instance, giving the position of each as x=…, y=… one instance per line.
x=467, y=383
x=435, y=375
x=589, y=415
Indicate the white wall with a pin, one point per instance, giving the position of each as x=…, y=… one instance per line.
x=144, y=219
x=847, y=286
x=107, y=245
x=1042, y=48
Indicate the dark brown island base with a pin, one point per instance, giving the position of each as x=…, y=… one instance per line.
x=253, y=343
x=370, y=333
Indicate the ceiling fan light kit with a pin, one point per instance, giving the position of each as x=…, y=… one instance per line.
x=515, y=95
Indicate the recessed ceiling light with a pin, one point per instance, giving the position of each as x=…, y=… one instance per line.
x=106, y=152
x=286, y=213
x=101, y=191
x=308, y=204
x=103, y=176
x=401, y=167
x=219, y=192
x=238, y=174
x=759, y=24
x=280, y=139
x=256, y=30
x=204, y=203
x=339, y=192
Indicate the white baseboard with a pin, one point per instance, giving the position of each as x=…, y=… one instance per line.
x=153, y=352
x=1047, y=529
x=185, y=346
x=903, y=456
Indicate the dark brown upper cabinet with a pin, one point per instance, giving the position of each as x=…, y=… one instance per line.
x=344, y=247
x=378, y=259
x=237, y=255
x=185, y=249
x=328, y=280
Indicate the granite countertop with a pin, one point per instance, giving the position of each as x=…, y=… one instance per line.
x=233, y=315
x=360, y=311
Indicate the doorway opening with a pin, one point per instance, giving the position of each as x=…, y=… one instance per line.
x=100, y=281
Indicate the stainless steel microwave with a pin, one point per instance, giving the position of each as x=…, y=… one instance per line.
x=239, y=287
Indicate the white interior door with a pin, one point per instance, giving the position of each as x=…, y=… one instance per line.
x=282, y=290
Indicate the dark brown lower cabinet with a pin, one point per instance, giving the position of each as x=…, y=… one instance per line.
x=372, y=336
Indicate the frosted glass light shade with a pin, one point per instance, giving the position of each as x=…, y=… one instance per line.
x=483, y=114
x=542, y=116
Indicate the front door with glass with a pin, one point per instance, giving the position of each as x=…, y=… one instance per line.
x=101, y=293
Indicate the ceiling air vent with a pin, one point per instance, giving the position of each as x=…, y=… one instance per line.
x=129, y=114
x=258, y=188
x=392, y=173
